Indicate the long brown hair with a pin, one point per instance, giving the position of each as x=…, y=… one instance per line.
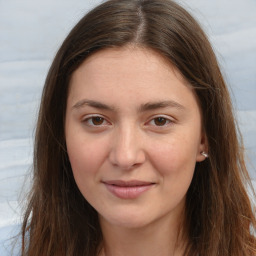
x=219, y=215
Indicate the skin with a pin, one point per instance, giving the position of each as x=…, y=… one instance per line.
x=117, y=130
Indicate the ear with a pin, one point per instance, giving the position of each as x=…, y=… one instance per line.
x=202, y=148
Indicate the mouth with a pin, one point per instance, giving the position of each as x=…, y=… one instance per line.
x=128, y=189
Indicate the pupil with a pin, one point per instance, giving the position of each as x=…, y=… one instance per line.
x=160, y=121
x=97, y=120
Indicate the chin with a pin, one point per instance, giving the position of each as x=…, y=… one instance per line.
x=127, y=220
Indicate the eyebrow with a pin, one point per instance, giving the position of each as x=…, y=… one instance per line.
x=92, y=103
x=143, y=108
x=161, y=104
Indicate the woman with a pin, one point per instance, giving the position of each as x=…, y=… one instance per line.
x=137, y=151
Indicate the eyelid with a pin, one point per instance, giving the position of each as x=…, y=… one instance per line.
x=90, y=116
x=170, y=120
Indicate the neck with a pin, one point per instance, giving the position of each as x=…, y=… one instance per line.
x=162, y=238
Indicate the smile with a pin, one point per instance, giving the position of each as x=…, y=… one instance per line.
x=128, y=189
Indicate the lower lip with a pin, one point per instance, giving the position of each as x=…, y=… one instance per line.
x=128, y=192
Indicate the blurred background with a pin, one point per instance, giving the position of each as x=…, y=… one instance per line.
x=31, y=32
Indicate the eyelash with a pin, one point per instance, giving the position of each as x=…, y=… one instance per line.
x=89, y=121
x=167, y=121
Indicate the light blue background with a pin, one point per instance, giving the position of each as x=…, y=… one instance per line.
x=30, y=34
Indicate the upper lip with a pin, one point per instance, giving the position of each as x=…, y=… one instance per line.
x=130, y=183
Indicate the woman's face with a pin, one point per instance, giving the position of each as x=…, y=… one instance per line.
x=133, y=133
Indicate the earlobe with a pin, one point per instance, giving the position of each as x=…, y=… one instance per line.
x=202, y=153
x=201, y=156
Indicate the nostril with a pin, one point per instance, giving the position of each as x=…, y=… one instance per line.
x=126, y=163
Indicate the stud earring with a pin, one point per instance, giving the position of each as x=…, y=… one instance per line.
x=204, y=154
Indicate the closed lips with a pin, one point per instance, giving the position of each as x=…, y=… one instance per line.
x=128, y=189
x=132, y=183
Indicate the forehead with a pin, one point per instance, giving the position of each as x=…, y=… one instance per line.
x=127, y=60
x=139, y=73
x=143, y=58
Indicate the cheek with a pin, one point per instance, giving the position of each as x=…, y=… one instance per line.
x=85, y=157
x=176, y=171
x=175, y=160
x=85, y=160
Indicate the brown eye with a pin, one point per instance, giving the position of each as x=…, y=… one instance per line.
x=97, y=120
x=160, y=121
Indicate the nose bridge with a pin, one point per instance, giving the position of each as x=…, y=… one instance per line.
x=127, y=149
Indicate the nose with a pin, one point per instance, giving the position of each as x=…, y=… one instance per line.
x=127, y=149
